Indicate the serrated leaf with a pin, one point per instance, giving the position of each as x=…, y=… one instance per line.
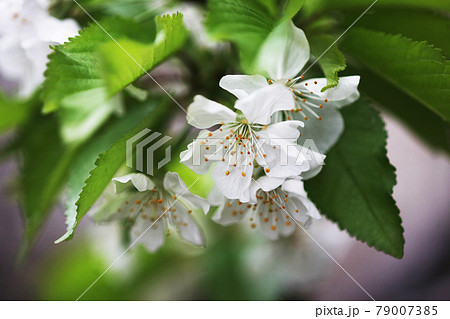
x=355, y=186
x=75, y=78
x=317, y=6
x=85, y=159
x=416, y=68
x=121, y=68
x=247, y=23
x=44, y=167
x=332, y=62
x=416, y=25
x=422, y=122
x=106, y=165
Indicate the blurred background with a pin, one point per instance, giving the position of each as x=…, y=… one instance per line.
x=239, y=264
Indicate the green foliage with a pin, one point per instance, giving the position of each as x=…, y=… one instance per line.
x=44, y=167
x=421, y=121
x=416, y=25
x=106, y=165
x=317, y=6
x=85, y=160
x=332, y=62
x=416, y=68
x=246, y=23
x=13, y=112
x=78, y=81
x=355, y=186
x=122, y=68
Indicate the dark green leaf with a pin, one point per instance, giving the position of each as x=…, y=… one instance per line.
x=416, y=25
x=416, y=68
x=317, y=6
x=424, y=123
x=45, y=163
x=355, y=186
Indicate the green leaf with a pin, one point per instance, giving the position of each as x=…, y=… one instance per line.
x=421, y=121
x=123, y=68
x=13, y=112
x=44, y=167
x=247, y=23
x=355, y=186
x=332, y=62
x=317, y=6
x=416, y=68
x=416, y=25
x=106, y=165
x=78, y=83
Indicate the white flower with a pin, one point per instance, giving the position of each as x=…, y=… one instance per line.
x=151, y=211
x=282, y=56
x=276, y=207
x=26, y=31
x=245, y=138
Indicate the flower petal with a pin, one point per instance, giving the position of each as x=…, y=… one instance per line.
x=140, y=181
x=259, y=106
x=233, y=182
x=346, y=92
x=204, y=113
x=266, y=184
x=188, y=229
x=206, y=149
x=152, y=237
x=323, y=133
x=242, y=85
x=230, y=212
x=284, y=53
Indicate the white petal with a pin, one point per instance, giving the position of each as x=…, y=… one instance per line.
x=152, y=237
x=206, y=149
x=346, y=92
x=187, y=228
x=259, y=106
x=140, y=181
x=204, y=113
x=53, y=30
x=242, y=85
x=236, y=184
x=230, y=212
x=323, y=133
x=284, y=53
x=268, y=183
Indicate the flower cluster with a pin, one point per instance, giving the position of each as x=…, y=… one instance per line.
x=26, y=32
x=257, y=151
x=259, y=162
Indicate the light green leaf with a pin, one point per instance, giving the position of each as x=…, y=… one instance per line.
x=416, y=68
x=355, y=186
x=123, y=68
x=82, y=78
x=106, y=165
x=332, y=62
x=85, y=159
x=247, y=23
